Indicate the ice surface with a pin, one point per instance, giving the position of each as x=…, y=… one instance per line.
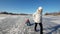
x=16, y=25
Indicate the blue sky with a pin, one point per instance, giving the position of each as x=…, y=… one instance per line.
x=29, y=6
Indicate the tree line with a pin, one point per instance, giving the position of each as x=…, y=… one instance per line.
x=13, y=13
x=54, y=13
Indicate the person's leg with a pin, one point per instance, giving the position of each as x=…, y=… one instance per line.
x=35, y=26
x=41, y=32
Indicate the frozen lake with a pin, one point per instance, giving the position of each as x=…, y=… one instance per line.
x=13, y=24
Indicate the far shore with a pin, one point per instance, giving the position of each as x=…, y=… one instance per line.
x=23, y=15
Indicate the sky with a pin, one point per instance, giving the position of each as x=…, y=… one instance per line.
x=29, y=6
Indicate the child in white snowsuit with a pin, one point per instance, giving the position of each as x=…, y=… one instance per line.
x=37, y=17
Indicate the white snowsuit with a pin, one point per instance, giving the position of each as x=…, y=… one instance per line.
x=37, y=17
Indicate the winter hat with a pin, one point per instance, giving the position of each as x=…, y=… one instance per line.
x=39, y=8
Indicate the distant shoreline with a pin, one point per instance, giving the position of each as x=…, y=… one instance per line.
x=54, y=13
x=13, y=14
x=7, y=13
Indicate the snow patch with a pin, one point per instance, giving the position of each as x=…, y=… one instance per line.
x=2, y=18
